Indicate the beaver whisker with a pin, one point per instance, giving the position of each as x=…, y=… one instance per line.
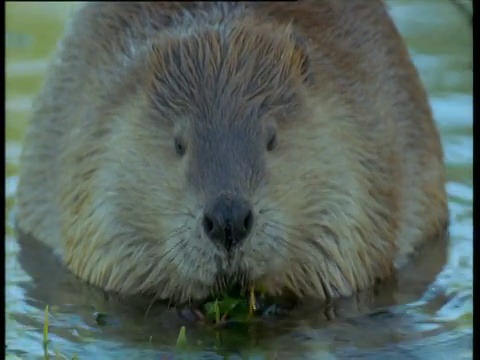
x=150, y=304
x=177, y=207
x=289, y=228
x=164, y=280
x=310, y=247
x=275, y=241
x=301, y=251
x=220, y=285
x=240, y=281
x=305, y=250
x=167, y=250
x=267, y=209
x=175, y=212
x=172, y=234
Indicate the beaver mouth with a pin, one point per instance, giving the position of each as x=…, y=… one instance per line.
x=239, y=289
x=238, y=282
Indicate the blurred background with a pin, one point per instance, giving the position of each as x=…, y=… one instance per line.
x=439, y=37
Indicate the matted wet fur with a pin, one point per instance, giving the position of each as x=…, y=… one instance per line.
x=312, y=111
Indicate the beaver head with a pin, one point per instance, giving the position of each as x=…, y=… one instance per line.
x=222, y=172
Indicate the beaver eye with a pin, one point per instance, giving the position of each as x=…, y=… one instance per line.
x=272, y=142
x=179, y=147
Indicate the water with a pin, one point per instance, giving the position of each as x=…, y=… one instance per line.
x=426, y=317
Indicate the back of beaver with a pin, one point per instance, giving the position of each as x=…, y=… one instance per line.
x=180, y=147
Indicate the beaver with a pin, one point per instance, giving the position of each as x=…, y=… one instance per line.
x=180, y=148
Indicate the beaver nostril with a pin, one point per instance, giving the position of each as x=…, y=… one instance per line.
x=207, y=224
x=247, y=224
x=228, y=220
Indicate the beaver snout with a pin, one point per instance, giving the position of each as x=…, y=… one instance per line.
x=228, y=220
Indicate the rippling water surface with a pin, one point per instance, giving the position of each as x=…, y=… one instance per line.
x=420, y=322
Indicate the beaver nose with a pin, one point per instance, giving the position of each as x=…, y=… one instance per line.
x=228, y=220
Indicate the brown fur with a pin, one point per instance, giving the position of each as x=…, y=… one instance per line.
x=353, y=187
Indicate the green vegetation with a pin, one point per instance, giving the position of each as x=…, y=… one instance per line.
x=46, y=354
x=231, y=308
x=182, y=338
x=45, y=334
x=214, y=314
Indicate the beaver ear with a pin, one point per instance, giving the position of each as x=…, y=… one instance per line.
x=301, y=58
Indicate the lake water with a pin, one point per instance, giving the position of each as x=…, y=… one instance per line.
x=420, y=322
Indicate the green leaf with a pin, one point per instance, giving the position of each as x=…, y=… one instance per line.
x=182, y=338
x=45, y=335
